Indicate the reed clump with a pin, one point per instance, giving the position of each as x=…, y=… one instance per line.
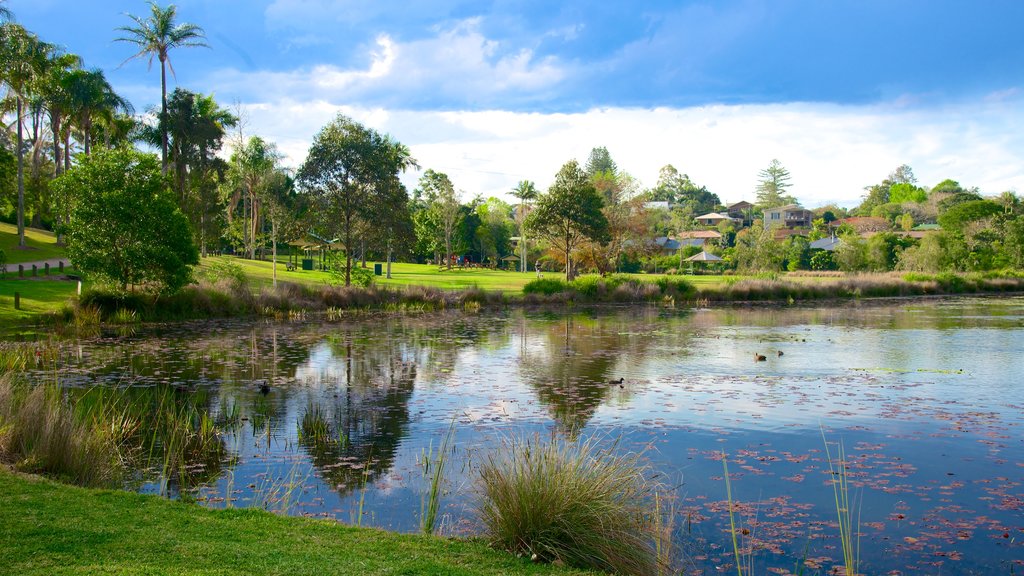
x=572, y=502
x=40, y=432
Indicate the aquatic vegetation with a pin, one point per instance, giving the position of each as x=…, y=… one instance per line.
x=844, y=508
x=433, y=470
x=574, y=502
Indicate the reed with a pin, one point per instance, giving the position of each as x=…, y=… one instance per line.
x=433, y=469
x=844, y=511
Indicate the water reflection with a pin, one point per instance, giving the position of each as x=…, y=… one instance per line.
x=917, y=390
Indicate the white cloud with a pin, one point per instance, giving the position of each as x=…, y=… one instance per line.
x=832, y=151
x=457, y=63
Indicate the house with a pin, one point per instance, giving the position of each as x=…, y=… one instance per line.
x=667, y=246
x=699, y=238
x=714, y=219
x=742, y=211
x=788, y=216
x=829, y=243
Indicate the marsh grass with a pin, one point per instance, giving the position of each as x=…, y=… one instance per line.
x=41, y=432
x=572, y=502
x=844, y=508
x=433, y=469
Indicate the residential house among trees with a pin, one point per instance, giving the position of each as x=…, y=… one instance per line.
x=742, y=211
x=699, y=238
x=714, y=219
x=788, y=216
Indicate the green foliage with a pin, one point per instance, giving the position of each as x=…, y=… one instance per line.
x=571, y=502
x=823, y=260
x=570, y=213
x=959, y=215
x=771, y=188
x=906, y=192
x=757, y=249
x=798, y=253
x=675, y=286
x=545, y=286
x=124, y=227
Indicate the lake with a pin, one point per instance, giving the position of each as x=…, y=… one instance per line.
x=334, y=418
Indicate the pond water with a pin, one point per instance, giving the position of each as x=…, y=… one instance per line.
x=925, y=397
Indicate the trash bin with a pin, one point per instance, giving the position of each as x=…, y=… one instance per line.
x=378, y=269
x=307, y=263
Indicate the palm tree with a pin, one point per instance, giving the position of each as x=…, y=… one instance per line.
x=526, y=191
x=21, y=57
x=155, y=37
x=53, y=86
x=92, y=97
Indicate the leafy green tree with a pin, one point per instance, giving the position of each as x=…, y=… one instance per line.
x=959, y=216
x=798, y=253
x=677, y=189
x=771, y=188
x=757, y=249
x=569, y=213
x=124, y=225
x=901, y=192
x=444, y=215
x=822, y=260
x=349, y=171
x=155, y=37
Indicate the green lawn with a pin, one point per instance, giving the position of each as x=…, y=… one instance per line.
x=402, y=275
x=37, y=297
x=50, y=528
x=42, y=245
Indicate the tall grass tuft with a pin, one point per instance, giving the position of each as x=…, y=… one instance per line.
x=433, y=469
x=41, y=433
x=844, y=511
x=573, y=502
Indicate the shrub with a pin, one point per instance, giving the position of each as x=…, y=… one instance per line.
x=674, y=286
x=571, y=502
x=545, y=286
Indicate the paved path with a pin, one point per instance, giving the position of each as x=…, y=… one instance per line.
x=12, y=267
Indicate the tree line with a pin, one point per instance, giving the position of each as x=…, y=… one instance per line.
x=71, y=131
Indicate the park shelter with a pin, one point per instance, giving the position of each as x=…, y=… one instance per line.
x=315, y=252
x=700, y=261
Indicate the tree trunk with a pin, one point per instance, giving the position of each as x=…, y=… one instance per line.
x=21, y=181
x=163, y=113
x=55, y=128
x=348, y=252
x=273, y=243
x=389, y=262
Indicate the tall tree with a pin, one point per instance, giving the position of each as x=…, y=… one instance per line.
x=771, y=188
x=155, y=37
x=569, y=213
x=92, y=97
x=21, y=57
x=347, y=170
x=526, y=191
x=600, y=161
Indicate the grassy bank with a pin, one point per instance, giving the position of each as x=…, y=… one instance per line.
x=38, y=296
x=41, y=245
x=49, y=528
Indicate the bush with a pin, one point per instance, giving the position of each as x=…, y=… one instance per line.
x=571, y=502
x=674, y=286
x=545, y=286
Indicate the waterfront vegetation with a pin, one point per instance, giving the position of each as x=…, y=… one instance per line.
x=68, y=530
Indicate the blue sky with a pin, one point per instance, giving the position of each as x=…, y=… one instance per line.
x=493, y=92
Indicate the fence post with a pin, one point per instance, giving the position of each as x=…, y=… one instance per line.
x=21, y=271
x=46, y=268
x=60, y=266
x=17, y=300
x=33, y=270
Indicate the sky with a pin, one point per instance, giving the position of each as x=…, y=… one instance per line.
x=841, y=92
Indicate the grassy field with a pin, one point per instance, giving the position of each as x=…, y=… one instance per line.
x=42, y=245
x=37, y=297
x=404, y=274
x=50, y=528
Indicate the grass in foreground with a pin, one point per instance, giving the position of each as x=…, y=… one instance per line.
x=572, y=502
x=48, y=528
x=42, y=245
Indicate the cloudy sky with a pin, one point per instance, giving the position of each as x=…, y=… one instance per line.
x=840, y=91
